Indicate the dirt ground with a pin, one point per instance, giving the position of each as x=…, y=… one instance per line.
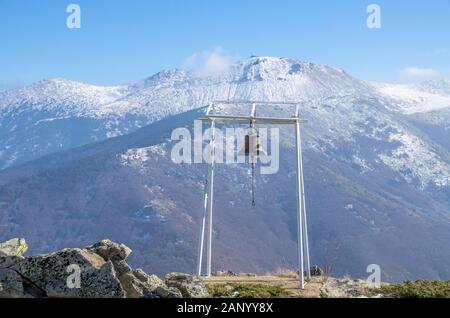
x=290, y=284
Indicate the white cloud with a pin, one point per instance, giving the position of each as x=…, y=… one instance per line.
x=417, y=72
x=209, y=62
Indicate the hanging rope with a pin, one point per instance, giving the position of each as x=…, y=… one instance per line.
x=253, y=185
x=253, y=163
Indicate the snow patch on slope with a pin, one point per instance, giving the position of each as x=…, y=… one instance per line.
x=414, y=159
x=411, y=99
x=136, y=157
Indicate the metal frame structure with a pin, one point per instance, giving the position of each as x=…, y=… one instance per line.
x=302, y=228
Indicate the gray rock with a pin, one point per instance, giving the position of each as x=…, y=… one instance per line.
x=138, y=284
x=96, y=271
x=110, y=250
x=224, y=273
x=14, y=247
x=121, y=267
x=344, y=288
x=51, y=273
x=144, y=277
x=8, y=261
x=316, y=271
x=10, y=284
x=14, y=285
x=189, y=286
x=132, y=287
x=168, y=292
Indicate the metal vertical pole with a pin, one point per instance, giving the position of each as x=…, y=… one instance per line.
x=203, y=225
x=205, y=211
x=210, y=198
x=304, y=219
x=299, y=207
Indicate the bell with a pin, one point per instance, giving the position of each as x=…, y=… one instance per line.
x=252, y=148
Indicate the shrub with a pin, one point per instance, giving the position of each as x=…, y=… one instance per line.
x=416, y=289
x=247, y=291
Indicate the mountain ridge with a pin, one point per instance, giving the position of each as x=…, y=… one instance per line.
x=71, y=114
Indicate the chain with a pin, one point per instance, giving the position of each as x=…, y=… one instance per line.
x=253, y=185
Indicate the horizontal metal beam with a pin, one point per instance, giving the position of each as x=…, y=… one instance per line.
x=230, y=102
x=257, y=120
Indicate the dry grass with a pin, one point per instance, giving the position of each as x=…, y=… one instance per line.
x=283, y=283
x=284, y=272
x=289, y=284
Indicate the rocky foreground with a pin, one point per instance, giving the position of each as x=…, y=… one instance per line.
x=96, y=271
x=101, y=271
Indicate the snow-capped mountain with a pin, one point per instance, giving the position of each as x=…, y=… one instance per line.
x=63, y=97
x=58, y=114
x=377, y=162
x=261, y=78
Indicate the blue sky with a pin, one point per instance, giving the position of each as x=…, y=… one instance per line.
x=121, y=41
